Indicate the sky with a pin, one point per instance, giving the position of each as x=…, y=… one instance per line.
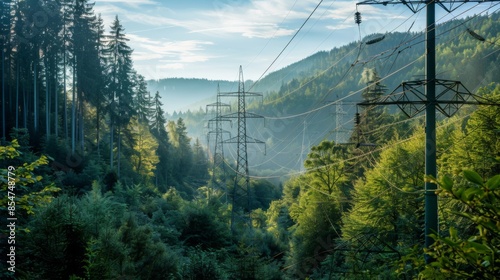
x=211, y=39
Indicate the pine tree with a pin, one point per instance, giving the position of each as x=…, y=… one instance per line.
x=158, y=120
x=99, y=99
x=67, y=44
x=387, y=209
x=143, y=102
x=88, y=64
x=373, y=116
x=18, y=65
x=51, y=47
x=184, y=149
x=158, y=128
x=318, y=207
x=29, y=39
x=181, y=149
x=5, y=18
x=200, y=163
x=478, y=147
x=366, y=133
x=120, y=85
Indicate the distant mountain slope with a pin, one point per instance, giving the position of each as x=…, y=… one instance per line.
x=181, y=94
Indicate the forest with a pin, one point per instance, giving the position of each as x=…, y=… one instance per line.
x=98, y=182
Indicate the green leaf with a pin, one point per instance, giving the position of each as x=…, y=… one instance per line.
x=458, y=192
x=463, y=214
x=469, y=193
x=446, y=183
x=480, y=248
x=473, y=177
x=493, y=183
x=449, y=242
x=453, y=233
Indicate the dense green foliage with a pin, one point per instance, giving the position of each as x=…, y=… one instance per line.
x=106, y=187
x=464, y=255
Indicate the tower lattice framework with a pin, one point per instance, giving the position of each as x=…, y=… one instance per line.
x=240, y=194
x=218, y=178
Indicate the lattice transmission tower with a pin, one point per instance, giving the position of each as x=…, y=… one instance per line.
x=218, y=178
x=340, y=130
x=427, y=96
x=240, y=194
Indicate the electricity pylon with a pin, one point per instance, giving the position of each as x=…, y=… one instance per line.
x=413, y=100
x=339, y=122
x=241, y=191
x=215, y=127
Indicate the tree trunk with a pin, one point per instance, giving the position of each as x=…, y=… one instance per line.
x=25, y=108
x=73, y=110
x=47, y=101
x=65, y=97
x=111, y=134
x=82, y=111
x=56, y=105
x=3, y=93
x=17, y=96
x=35, y=99
x=119, y=150
x=98, y=111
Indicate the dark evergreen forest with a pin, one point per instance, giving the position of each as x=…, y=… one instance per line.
x=99, y=183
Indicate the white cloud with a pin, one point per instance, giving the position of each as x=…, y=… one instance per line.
x=246, y=29
x=134, y=3
x=250, y=19
x=141, y=39
x=171, y=66
x=184, y=51
x=152, y=19
x=145, y=56
x=255, y=19
x=340, y=26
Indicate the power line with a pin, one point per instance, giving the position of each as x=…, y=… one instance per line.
x=430, y=103
x=294, y=66
x=306, y=113
x=289, y=42
x=373, y=58
x=305, y=84
x=276, y=31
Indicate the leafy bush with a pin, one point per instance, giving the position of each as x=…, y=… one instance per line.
x=459, y=256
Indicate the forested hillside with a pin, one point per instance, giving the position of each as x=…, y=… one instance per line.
x=99, y=183
x=304, y=110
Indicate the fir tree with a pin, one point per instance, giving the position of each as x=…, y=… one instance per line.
x=120, y=85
